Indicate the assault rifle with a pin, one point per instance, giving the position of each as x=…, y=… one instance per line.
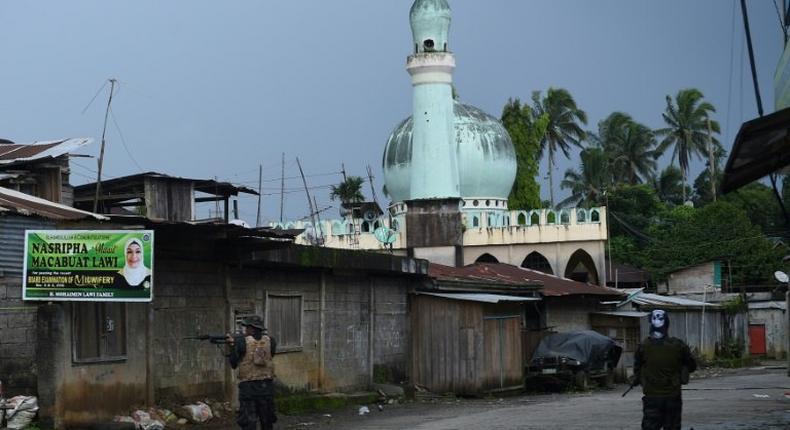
x=216, y=340
x=630, y=387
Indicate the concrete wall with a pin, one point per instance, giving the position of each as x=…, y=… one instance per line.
x=775, y=321
x=17, y=339
x=690, y=280
x=569, y=313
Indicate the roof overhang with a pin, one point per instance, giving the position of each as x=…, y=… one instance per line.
x=24, y=204
x=481, y=298
x=761, y=147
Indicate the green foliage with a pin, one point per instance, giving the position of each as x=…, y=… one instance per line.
x=669, y=186
x=563, y=128
x=348, y=191
x=526, y=133
x=588, y=184
x=735, y=305
x=630, y=148
x=718, y=231
x=759, y=203
x=686, y=132
x=635, y=206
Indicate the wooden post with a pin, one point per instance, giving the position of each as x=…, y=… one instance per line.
x=712, y=160
x=101, y=151
x=322, y=333
x=260, y=181
x=282, y=187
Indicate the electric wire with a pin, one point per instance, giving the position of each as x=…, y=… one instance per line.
x=123, y=141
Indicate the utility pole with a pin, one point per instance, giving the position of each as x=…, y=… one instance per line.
x=282, y=188
x=751, y=57
x=712, y=163
x=319, y=233
x=101, y=151
x=307, y=193
x=260, y=183
x=372, y=188
x=343, y=171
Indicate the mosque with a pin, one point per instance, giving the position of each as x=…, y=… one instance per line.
x=448, y=169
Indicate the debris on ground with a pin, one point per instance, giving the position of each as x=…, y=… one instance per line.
x=196, y=413
x=20, y=411
x=364, y=410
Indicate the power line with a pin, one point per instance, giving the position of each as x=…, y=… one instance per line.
x=123, y=141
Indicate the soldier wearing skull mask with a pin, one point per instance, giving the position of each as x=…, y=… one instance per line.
x=661, y=365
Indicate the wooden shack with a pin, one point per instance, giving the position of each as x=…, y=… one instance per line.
x=467, y=330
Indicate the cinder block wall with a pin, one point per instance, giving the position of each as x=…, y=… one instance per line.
x=17, y=339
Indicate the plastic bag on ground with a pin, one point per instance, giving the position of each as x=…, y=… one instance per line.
x=197, y=413
x=23, y=411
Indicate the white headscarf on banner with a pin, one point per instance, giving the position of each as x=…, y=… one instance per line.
x=134, y=275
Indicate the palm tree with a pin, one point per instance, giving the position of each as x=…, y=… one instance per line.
x=563, y=128
x=687, y=120
x=588, y=184
x=669, y=185
x=631, y=147
x=348, y=191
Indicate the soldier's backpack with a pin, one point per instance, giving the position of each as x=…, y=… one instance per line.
x=261, y=354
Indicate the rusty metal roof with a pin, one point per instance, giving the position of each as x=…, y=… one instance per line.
x=11, y=153
x=124, y=184
x=481, y=297
x=25, y=204
x=506, y=274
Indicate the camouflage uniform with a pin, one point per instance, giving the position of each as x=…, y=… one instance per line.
x=256, y=386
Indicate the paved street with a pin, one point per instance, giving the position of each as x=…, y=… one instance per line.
x=747, y=399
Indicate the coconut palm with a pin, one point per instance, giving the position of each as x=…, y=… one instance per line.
x=589, y=182
x=687, y=128
x=669, y=185
x=631, y=147
x=348, y=191
x=563, y=129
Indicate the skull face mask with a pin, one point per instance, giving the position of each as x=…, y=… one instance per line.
x=659, y=324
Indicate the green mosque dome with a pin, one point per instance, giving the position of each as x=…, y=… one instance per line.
x=430, y=25
x=485, y=153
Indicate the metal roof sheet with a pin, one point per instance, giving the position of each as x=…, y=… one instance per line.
x=482, y=298
x=506, y=274
x=629, y=314
x=19, y=152
x=25, y=204
x=768, y=305
x=668, y=301
x=126, y=183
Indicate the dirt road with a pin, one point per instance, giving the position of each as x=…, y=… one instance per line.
x=747, y=399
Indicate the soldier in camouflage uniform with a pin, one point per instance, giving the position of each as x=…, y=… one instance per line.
x=252, y=355
x=661, y=366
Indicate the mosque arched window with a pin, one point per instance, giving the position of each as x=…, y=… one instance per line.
x=551, y=217
x=565, y=217
x=595, y=216
x=475, y=221
x=521, y=219
x=534, y=218
x=581, y=215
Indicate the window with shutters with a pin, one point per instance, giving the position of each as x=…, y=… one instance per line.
x=284, y=321
x=98, y=332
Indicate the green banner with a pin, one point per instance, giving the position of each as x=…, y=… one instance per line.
x=89, y=265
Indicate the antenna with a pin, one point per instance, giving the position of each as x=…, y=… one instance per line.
x=370, y=180
x=282, y=188
x=307, y=193
x=101, y=151
x=260, y=180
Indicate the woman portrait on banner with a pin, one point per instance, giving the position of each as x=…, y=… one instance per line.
x=134, y=273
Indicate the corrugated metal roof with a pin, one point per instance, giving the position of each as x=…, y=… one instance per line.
x=629, y=314
x=509, y=275
x=768, y=305
x=482, y=298
x=19, y=152
x=127, y=184
x=25, y=204
x=656, y=300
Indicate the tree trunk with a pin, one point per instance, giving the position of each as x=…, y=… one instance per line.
x=683, y=171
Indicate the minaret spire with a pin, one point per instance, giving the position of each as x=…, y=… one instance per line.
x=434, y=172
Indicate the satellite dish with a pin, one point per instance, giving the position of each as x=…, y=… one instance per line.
x=386, y=235
x=781, y=277
x=369, y=215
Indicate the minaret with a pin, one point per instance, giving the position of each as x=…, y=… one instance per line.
x=433, y=219
x=434, y=172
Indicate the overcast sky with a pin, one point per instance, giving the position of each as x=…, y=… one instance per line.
x=211, y=88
